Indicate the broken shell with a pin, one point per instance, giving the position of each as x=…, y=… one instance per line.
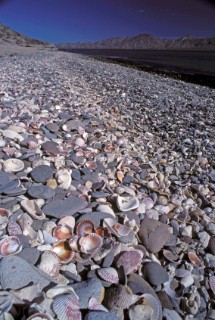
x=194, y=259
x=4, y=215
x=33, y=209
x=63, y=251
x=84, y=228
x=9, y=245
x=68, y=221
x=94, y=305
x=109, y=275
x=62, y=232
x=59, y=290
x=40, y=316
x=50, y=263
x=67, y=307
x=127, y=203
x=120, y=175
x=130, y=260
x=148, y=309
x=121, y=229
x=120, y=296
x=13, y=165
x=63, y=178
x=91, y=243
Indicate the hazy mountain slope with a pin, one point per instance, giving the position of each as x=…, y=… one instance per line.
x=10, y=37
x=144, y=41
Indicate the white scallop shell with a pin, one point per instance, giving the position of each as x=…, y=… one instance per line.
x=50, y=263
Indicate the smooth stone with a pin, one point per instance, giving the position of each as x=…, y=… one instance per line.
x=12, y=135
x=99, y=194
x=212, y=175
x=154, y=273
x=96, y=217
x=100, y=315
x=41, y=192
x=16, y=273
x=31, y=255
x=87, y=289
x=76, y=175
x=61, y=208
x=9, y=186
x=78, y=159
x=73, y=125
x=153, y=234
x=52, y=127
x=6, y=177
x=165, y=300
x=50, y=147
x=211, y=245
x=41, y=173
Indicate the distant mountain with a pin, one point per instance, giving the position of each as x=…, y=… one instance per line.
x=144, y=41
x=10, y=37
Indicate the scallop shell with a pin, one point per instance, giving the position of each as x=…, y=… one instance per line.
x=59, y=290
x=94, y=305
x=67, y=307
x=91, y=243
x=9, y=245
x=130, y=260
x=127, y=203
x=68, y=221
x=73, y=243
x=121, y=230
x=148, y=309
x=13, y=165
x=84, y=228
x=62, y=232
x=109, y=274
x=63, y=178
x=63, y=251
x=6, y=301
x=40, y=316
x=50, y=263
x=33, y=209
x=120, y=296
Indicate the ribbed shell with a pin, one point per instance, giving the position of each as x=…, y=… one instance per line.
x=120, y=296
x=109, y=275
x=130, y=260
x=40, y=316
x=67, y=307
x=62, y=232
x=90, y=243
x=50, y=263
x=63, y=251
x=84, y=228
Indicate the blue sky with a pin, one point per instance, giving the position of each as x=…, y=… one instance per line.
x=89, y=20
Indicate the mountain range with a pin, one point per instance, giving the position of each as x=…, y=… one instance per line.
x=144, y=41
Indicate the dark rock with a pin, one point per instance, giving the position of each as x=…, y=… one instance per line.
x=41, y=173
x=52, y=127
x=211, y=245
x=62, y=208
x=76, y=174
x=50, y=147
x=154, y=273
x=41, y=192
x=153, y=234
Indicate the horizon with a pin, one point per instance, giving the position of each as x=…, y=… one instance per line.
x=95, y=21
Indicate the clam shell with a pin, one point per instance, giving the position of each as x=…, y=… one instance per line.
x=130, y=260
x=127, y=203
x=9, y=245
x=50, y=263
x=63, y=178
x=62, y=232
x=109, y=274
x=91, y=243
x=13, y=165
x=40, y=316
x=63, y=251
x=84, y=228
x=68, y=221
x=148, y=309
x=33, y=209
x=67, y=307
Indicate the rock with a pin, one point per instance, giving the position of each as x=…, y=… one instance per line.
x=153, y=234
x=16, y=273
x=96, y=217
x=41, y=192
x=31, y=255
x=99, y=315
x=87, y=289
x=52, y=127
x=212, y=175
x=62, y=208
x=41, y=173
x=50, y=147
x=154, y=273
x=211, y=245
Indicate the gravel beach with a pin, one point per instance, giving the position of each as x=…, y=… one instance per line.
x=107, y=191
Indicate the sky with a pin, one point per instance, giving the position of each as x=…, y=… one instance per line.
x=58, y=21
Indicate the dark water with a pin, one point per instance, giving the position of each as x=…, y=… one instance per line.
x=192, y=66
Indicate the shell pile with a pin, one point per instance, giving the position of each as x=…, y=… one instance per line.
x=107, y=203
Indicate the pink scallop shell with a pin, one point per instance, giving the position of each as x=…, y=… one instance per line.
x=130, y=260
x=50, y=263
x=84, y=228
x=62, y=232
x=67, y=307
x=63, y=251
x=109, y=274
x=9, y=245
x=91, y=243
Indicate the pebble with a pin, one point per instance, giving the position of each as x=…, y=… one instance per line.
x=154, y=273
x=99, y=315
x=42, y=173
x=41, y=192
